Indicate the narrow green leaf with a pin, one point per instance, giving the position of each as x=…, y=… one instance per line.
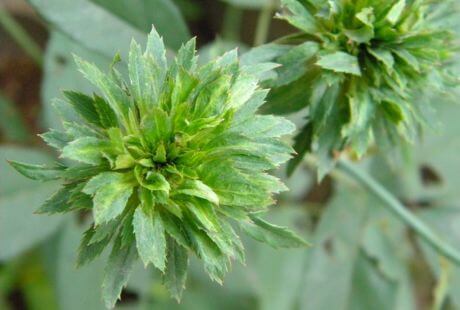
x=38, y=172
x=176, y=269
x=340, y=62
x=276, y=236
x=150, y=238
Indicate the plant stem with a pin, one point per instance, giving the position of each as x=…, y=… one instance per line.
x=400, y=211
x=232, y=23
x=263, y=25
x=22, y=38
x=11, y=123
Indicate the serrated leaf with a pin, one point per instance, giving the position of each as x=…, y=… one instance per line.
x=186, y=55
x=58, y=202
x=176, y=269
x=150, y=238
x=276, y=236
x=174, y=229
x=146, y=77
x=88, y=251
x=103, y=231
x=215, y=262
x=203, y=212
x=55, y=138
x=156, y=48
x=38, y=172
x=340, y=62
x=119, y=266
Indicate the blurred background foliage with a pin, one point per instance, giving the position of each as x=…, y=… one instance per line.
x=361, y=257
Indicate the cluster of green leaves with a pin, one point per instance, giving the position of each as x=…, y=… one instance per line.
x=168, y=163
x=358, y=66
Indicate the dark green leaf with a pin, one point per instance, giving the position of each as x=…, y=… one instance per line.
x=119, y=266
x=59, y=201
x=176, y=269
x=302, y=145
x=84, y=105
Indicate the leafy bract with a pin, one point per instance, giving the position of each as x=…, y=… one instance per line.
x=166, y=161
x=361, y=68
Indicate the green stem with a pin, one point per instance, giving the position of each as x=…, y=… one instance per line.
x=263, y=25
x=11, y=123
x=22, y=38
x=231, y=27
x=400, y=211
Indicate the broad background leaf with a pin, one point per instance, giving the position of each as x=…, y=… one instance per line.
x=20, y=228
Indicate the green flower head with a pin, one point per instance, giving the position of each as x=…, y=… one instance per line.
x=360, y=67
x=168, y=163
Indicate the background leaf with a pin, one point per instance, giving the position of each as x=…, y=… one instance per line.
x=103, y=32
x=20, y=228
x=143, y=13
